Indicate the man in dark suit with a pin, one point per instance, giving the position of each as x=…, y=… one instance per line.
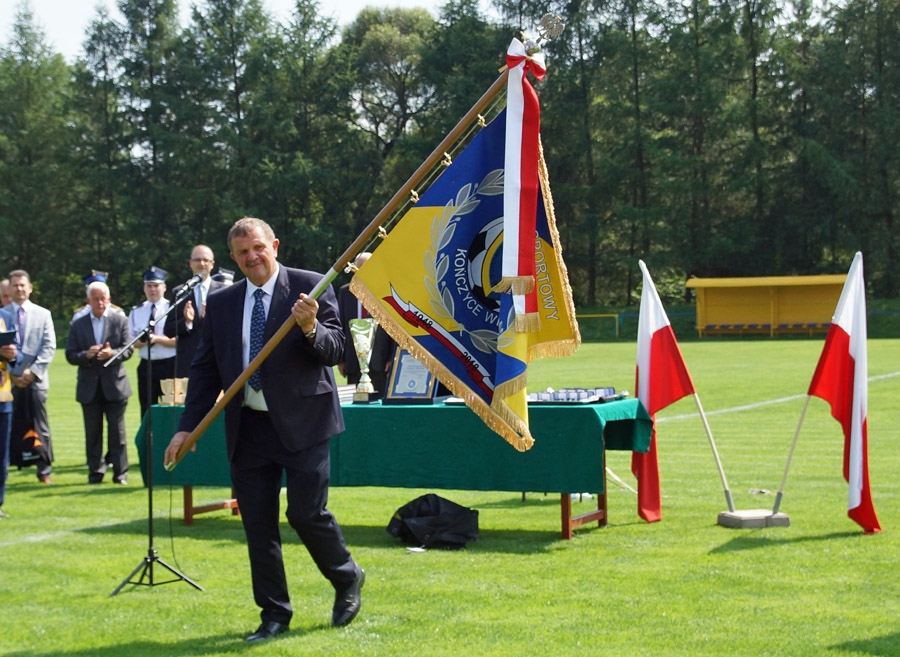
x=277, y=428
x=102, y=391
x=189, y=314
x=382, y=347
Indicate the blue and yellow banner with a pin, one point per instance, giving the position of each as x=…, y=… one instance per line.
x=431, y=285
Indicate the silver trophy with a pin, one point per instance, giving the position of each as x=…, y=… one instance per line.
x=362, y=331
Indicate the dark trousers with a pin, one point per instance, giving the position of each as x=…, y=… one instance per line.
x=161, y=369
x=117, y=441
x=38, y=401
x=259, y=467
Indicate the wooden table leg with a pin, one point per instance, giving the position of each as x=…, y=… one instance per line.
x=569, y=523
x=190, y=510
x=188, y=505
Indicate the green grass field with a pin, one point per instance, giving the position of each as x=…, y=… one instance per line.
x=683, y=586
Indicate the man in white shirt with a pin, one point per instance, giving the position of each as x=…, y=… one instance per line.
x=156, y=346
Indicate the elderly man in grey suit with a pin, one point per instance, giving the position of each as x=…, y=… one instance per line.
x=102, y=390
x=36, y=341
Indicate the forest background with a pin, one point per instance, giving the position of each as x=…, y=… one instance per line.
x=707, y=137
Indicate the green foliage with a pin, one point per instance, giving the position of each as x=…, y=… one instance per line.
x=684, y=586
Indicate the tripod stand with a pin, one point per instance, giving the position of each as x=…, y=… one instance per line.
x=145, y=567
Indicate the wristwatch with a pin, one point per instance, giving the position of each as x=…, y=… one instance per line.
x=311, y=335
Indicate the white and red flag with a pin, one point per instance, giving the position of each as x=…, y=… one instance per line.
x=521, y=182
x=662, y=378
x=841, y=379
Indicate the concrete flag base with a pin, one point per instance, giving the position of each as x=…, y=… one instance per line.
x=753, y=519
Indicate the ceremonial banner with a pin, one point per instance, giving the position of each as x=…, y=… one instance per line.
x=841, y=379
x=662, y=378
x=431, y=285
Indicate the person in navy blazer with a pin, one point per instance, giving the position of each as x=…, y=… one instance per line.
x=191, y=311
x=102, y=390
x=280, y=432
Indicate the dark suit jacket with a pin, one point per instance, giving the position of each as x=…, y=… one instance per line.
x=188, y=338
x=91, y=372
x=297, y=377
x=382, y=344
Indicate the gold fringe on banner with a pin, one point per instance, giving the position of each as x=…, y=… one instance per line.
x=528, y=323
x=511, y=428
x=517, y=284
x=564, y=347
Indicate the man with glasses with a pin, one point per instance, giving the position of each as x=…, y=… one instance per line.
x=188, y=316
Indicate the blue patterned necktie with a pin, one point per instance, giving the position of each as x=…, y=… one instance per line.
x=257, y=328
x=20, y=326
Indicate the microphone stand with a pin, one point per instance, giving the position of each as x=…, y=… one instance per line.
x=145, y=567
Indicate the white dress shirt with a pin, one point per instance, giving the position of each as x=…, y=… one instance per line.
x=138, y=319
x=255, y=398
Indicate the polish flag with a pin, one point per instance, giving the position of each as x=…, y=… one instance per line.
x=841, y=379
x=662, y=378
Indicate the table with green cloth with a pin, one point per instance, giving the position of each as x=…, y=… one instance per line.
x=444, y=446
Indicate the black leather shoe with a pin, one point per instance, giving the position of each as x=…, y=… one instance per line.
x=347, y=601
x=267, y=630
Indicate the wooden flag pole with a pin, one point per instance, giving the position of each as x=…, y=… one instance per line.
x=436, y=157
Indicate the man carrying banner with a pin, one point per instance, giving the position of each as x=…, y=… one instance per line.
x=278, y=428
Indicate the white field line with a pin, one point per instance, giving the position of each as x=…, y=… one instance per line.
x=761, y=404
x=51, y=536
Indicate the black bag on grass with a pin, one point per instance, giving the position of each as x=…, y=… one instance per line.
x=431, y=521
x=25, y=445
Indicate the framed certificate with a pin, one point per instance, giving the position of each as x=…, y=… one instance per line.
x=409, y=382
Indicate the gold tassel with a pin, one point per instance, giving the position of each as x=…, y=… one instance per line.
x=528, y=323
x=518, y=284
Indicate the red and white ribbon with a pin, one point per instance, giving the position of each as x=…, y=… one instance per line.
x=521, y=180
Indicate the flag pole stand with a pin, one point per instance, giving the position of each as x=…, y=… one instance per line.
x=753, y=519
x=760, y=518
x=787, y=465
x=743, y=519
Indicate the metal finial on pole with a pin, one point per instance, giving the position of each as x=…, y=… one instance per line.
x=550, y=27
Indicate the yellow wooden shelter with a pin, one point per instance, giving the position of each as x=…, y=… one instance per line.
x=766, y=304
